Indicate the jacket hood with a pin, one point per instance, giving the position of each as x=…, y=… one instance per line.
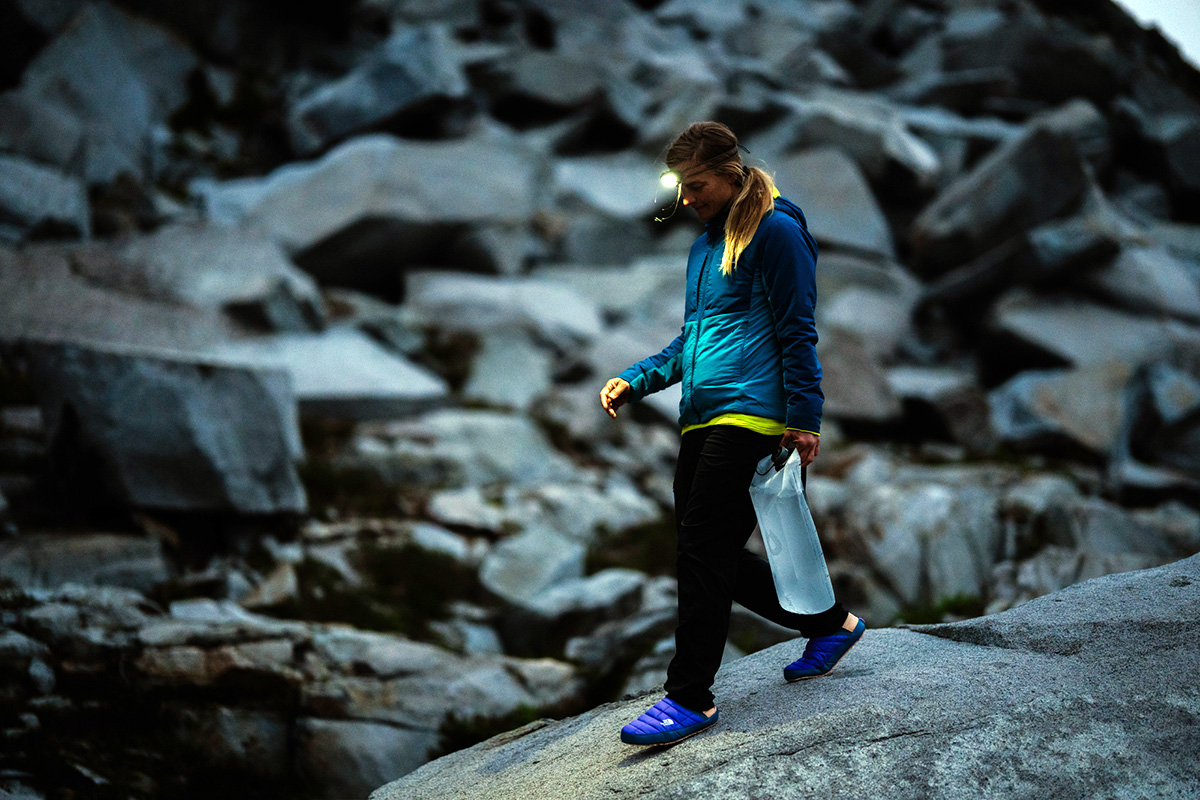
x=715, y=227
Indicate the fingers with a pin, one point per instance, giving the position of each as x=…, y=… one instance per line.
x=613, y=396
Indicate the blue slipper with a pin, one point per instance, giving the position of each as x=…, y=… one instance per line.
x=822, y=653
x=666, y=722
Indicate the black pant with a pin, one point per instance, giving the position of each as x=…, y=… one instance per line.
x=714, y=520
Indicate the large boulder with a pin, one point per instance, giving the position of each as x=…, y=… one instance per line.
x=1082, y=408
x=45, y=298
x=910, y=704
x=522, y=566
x=156, y=433
x=474, y=302
x=199, y=266
x=484, y=179
x=460, y=448
x=1151, y=281
x=413, y=71
x=869, y=130
x=37, y=201
x=854, y=382
x=48, y=560
x=341, y=373
x=837, y=202
x=1077, y=332
x=1025, y=182
x=120, y=75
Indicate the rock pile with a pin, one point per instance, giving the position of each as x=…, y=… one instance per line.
x=304, y=321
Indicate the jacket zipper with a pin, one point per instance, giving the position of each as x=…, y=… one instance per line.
x=696, y=346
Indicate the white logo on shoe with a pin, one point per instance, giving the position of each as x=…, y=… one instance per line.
x=668, y=721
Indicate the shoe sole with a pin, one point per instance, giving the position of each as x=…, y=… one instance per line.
x=826, y=672
x=673, y=741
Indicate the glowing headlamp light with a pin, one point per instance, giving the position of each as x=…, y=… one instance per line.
x=669, y=179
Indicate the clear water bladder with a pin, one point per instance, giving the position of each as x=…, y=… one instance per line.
x=793, y=549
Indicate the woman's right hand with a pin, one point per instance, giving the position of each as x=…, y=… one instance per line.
x=614, y=395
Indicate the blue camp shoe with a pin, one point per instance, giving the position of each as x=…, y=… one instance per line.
x=666, y=722
x=822, y=652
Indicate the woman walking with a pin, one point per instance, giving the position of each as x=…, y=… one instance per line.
x=751, y=382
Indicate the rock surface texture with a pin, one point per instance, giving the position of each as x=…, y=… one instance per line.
x=1088, y=692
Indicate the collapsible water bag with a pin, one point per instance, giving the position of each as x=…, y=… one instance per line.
x=793, y=549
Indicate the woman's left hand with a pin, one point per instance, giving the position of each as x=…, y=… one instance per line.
x=806, y=444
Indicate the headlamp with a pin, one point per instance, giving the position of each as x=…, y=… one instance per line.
x=669, y=179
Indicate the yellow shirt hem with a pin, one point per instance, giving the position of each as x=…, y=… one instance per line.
x=763, y=425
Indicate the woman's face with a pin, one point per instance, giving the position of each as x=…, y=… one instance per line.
x=707, y=193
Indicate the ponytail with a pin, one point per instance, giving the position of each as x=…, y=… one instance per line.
x=752, y=203
x=712, y=147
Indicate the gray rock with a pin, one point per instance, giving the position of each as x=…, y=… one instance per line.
x=650, y=672
x=1044, y=408
x=1053, y=252
x=465, y=448
x=1175, y=135
x=953, y=396
x=571, y=608
x=1023, y=183
x=204, y=266
x=1096, y=527
x=280, y=586
x=931, y=541
x=594, y=237
x=50, y=16
x=880, y=320
x=45, y=299
x=346, y=758
x=868, y=129
x=235, y=738
x=647, y=290
x=1150, y=281
x=1082, y=333
x=466, y=688
x=172, y=434
x=49, y=560
x=413, y=69
x=485, y=179
x=854, y=384
x=342, y=373
x=40, y=201
x=837, y=201
x=472, y=302
x=620, y=640
x=558, y=79
x=509, y=371
x=621, y=186
x=355, y=652
x=35, y=128
x=1060, y=653
x=120, y=75
x=522, y=566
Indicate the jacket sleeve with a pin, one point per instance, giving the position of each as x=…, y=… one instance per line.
x=657, y=372
x=789, y=272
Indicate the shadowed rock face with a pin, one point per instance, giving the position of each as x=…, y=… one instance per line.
x=1088, y=692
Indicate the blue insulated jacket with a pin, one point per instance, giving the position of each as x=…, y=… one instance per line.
x=749, y=342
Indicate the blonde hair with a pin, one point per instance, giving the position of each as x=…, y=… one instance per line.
x=714, y=148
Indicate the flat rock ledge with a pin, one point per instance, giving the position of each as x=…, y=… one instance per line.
x=1088, y=692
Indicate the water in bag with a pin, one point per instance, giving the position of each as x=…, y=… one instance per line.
x=793, y=549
